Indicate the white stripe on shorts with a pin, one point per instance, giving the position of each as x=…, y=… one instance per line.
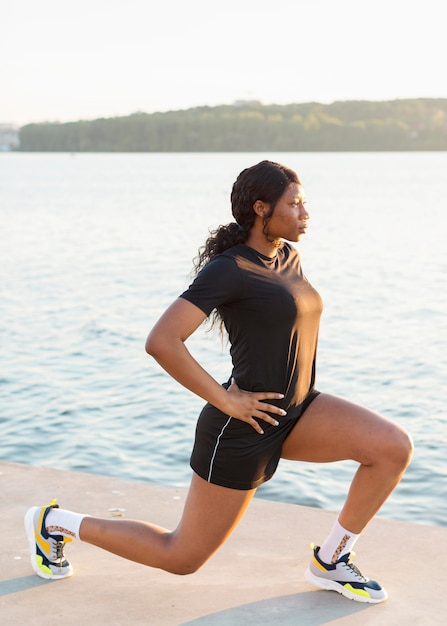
x=216, y=446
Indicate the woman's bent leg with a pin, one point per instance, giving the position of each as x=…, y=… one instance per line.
x=210, y=515
x=333, y=429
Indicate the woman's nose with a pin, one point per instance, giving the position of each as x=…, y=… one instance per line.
x=304, y=215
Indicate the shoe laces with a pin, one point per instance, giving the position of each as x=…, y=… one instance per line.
x=355, y=570
x=58, y=554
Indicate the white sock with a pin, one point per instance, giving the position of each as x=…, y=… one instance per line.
x=62, y=522
x=339, y=542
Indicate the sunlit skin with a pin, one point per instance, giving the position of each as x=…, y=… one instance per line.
x=331, y=429
x=289, y=221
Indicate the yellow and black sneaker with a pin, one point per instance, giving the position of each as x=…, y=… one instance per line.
x=345, y=578
x=47, y=550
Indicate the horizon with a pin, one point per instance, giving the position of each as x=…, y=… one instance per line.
x=236, y=103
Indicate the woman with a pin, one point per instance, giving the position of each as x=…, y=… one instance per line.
x=269, y=408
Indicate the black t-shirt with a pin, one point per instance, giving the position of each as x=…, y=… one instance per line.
x=271, y=314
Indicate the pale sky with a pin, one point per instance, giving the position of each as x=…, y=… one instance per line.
x=63, y=60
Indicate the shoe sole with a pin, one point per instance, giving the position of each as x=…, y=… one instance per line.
x=29, y=529
x=332, y=585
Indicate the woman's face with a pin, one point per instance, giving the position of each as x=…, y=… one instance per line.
x=289, y=219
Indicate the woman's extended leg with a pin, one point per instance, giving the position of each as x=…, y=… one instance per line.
x=210, y=515
x=333, y=429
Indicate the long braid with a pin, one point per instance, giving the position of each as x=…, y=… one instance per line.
x=221, y=239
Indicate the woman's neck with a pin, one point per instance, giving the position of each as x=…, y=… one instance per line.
x=259, y=242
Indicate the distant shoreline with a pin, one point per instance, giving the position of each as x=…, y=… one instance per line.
x=350, y=126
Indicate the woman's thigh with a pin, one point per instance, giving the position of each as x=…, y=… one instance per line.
x=210, y=515
x=334, y=429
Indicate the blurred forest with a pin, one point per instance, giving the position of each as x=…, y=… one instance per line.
x=417, y=124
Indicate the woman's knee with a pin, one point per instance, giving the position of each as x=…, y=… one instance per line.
x=182, y=558
x=183, y=567
x=400, y=448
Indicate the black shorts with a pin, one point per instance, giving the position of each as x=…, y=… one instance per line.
x=232, y=454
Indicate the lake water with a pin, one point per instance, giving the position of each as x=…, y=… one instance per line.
x=93, y=247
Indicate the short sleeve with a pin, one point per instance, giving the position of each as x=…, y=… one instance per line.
x=218, y=283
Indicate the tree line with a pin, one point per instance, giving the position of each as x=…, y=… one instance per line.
x=418, y=124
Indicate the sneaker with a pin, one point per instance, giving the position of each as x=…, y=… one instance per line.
x=47, y=551
x=345, y=578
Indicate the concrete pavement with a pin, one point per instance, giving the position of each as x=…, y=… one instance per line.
x=255, y=579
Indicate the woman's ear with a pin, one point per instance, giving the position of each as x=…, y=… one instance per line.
x=260, y=208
